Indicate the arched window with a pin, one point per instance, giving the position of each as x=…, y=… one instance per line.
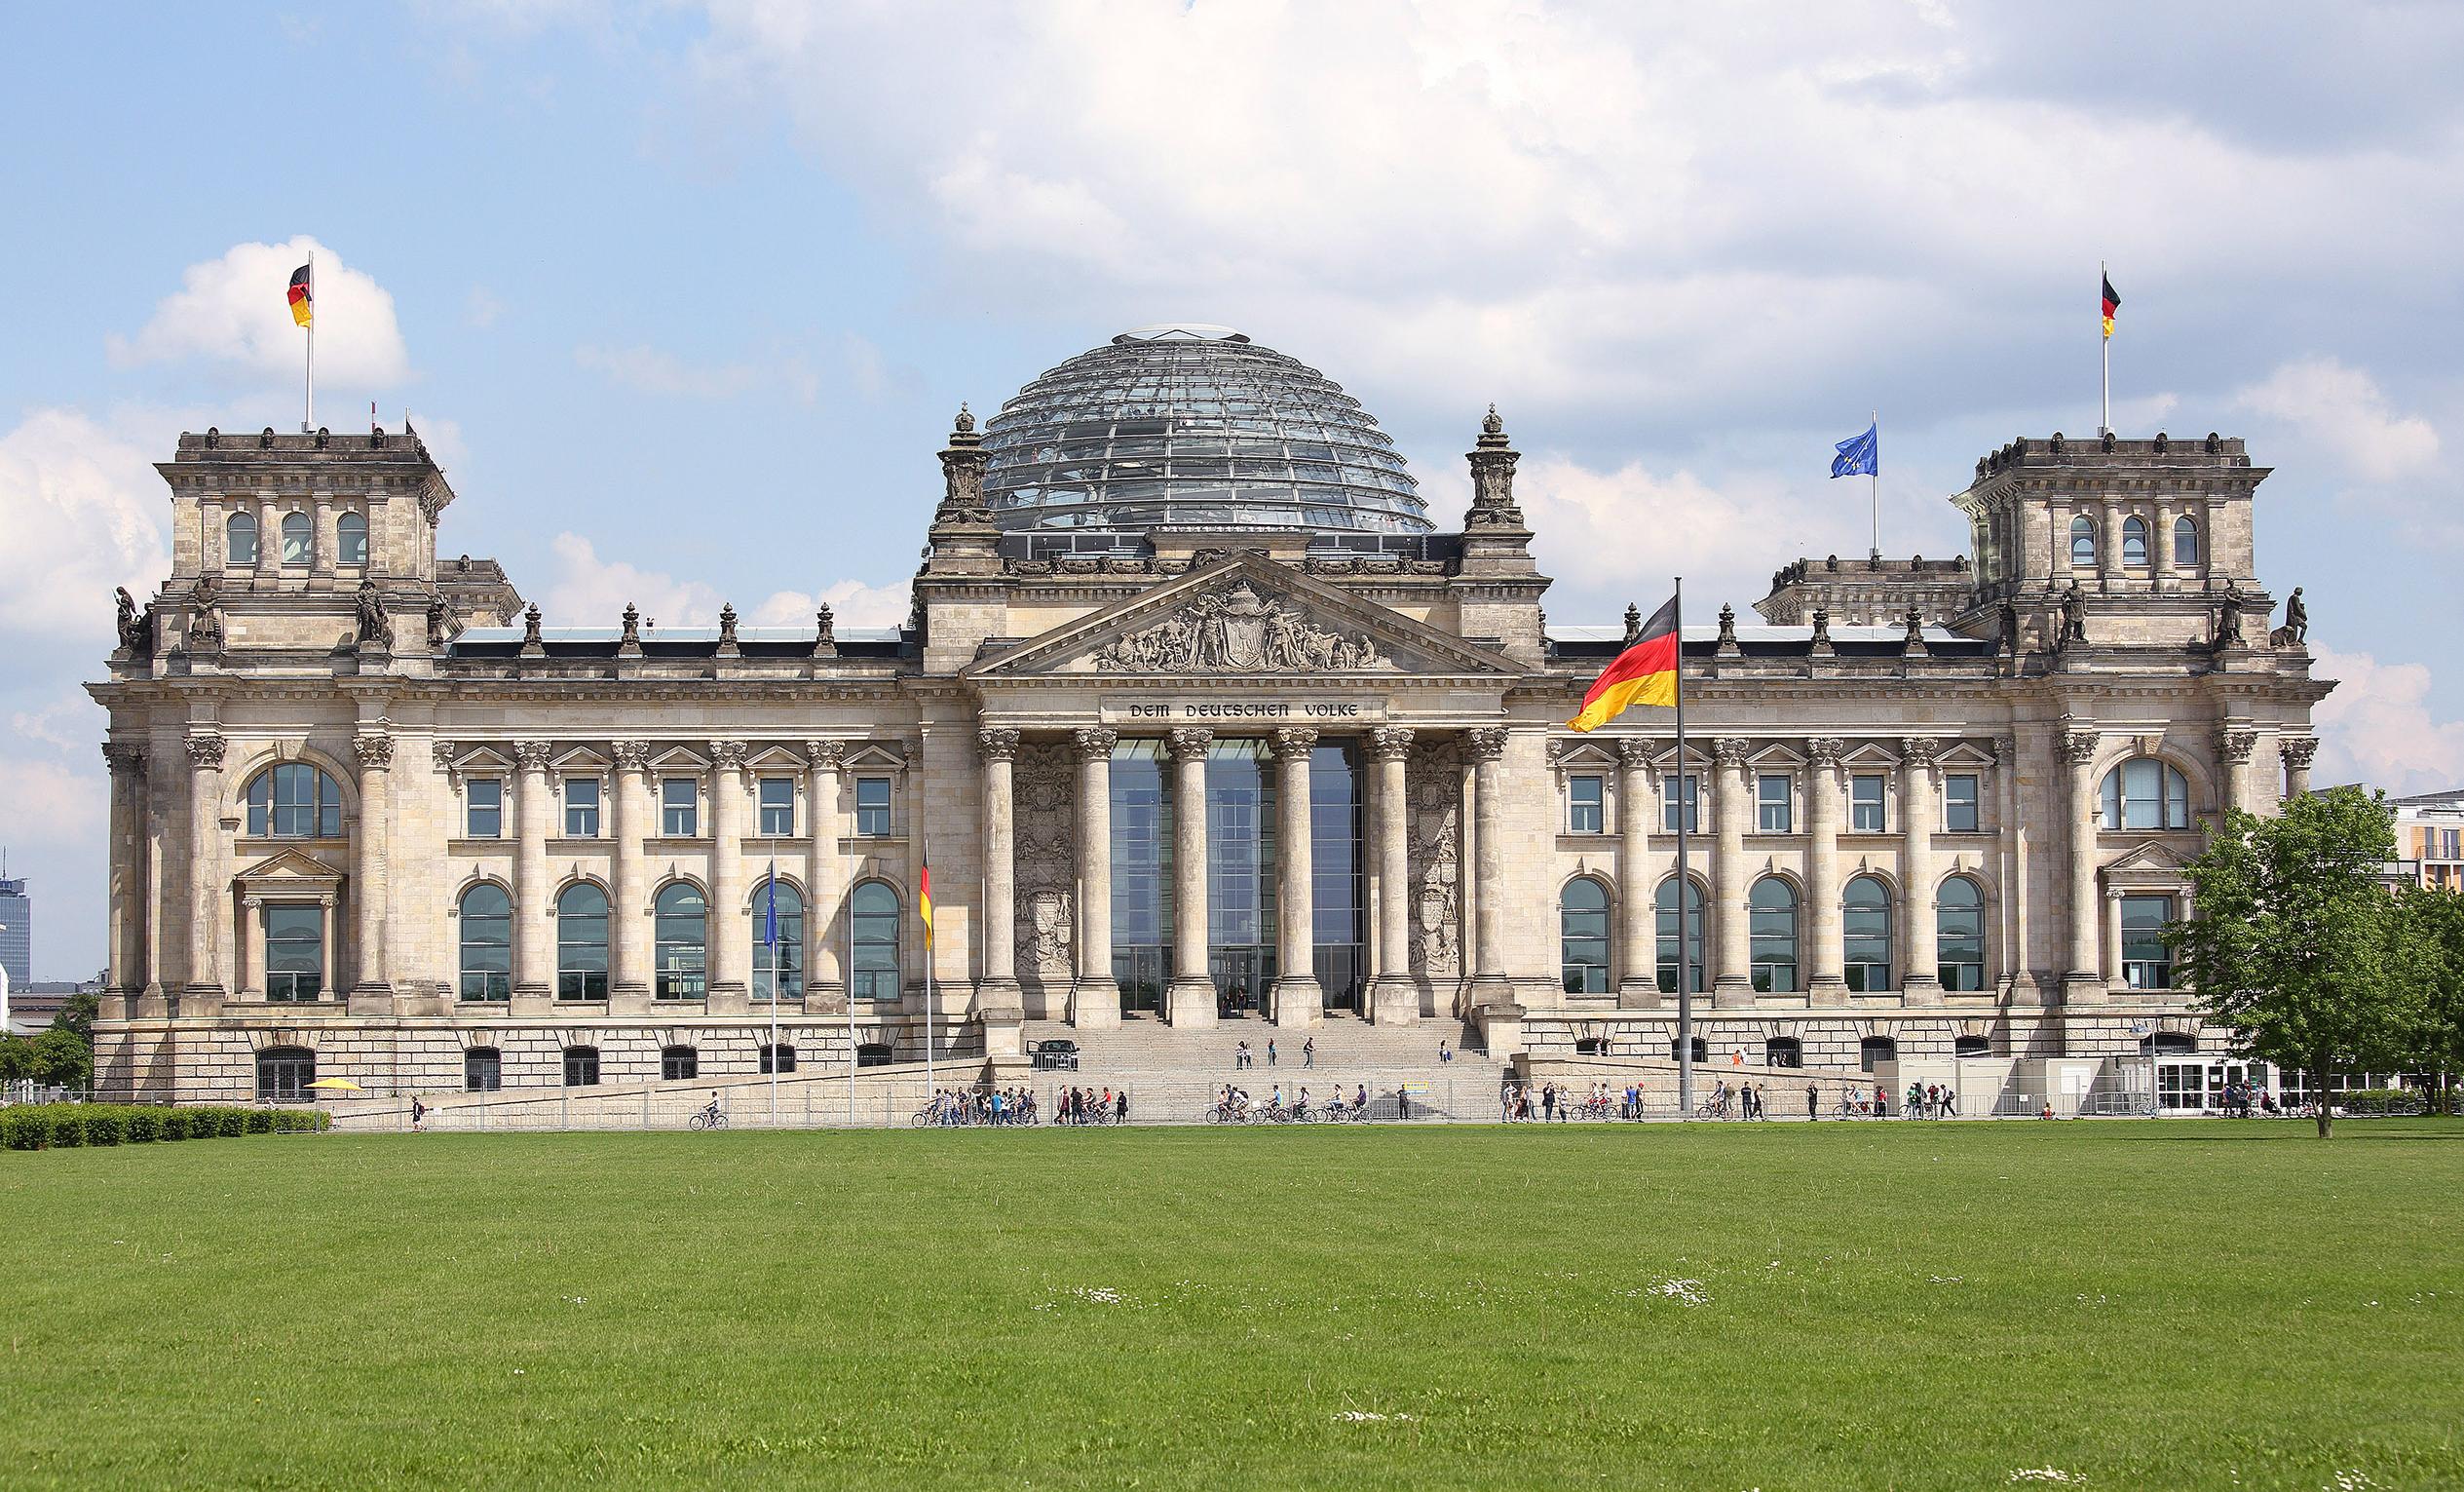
x=1864, y=936
x=283, y=1073
x=680, y=927
x=298, y=539
x=679, y=1064
x=351, y=538
x=2134, y=540
x=1959, y=934
x=582, y=1067
x=1666, y=908
x=582, y=943
x=1875, y=1050
x=487, y=943
x=482, y=1070
x=294, y=800
x=778, y=969
x=873, y=973
x=1771, y=918
x=779, y=1058
x=1583, y=936
x=1972, y=1045
x=1784, y=1051
x=2083, y=543
x=239, y=541
x=2185, y=543
x=2145, y=793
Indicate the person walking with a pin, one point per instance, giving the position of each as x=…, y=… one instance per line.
x=1445, y=1053
x=1269, y=1051
x=1813, y=1104
x=419, y=1115
x=1121, y=1107
x=1308, y=1052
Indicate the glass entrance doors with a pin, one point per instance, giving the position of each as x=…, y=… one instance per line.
x=1244, y=981
x=1142, y=973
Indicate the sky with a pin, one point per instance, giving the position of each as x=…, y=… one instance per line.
x=684, y=294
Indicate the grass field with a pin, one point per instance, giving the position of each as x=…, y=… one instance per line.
x=2199, y=1304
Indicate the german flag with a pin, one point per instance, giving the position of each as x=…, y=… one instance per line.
x=1645, y=674
x=923, y=904
x=2113, y=303
x=303, y=296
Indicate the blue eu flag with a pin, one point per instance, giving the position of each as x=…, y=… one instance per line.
x=770, y=910
x=1860, y=455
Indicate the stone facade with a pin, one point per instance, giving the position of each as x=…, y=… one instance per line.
x=614, y=783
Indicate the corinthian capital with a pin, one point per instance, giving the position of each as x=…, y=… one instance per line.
x=998, y=744
x=1825, y=751
x=531, y=755
x=728, y=755
x=1390, y=742
x=124, y=758
x=631, y=755
x=204, y=751
x=1294, y=741
x=1095, y=741
x=2078, y=748
x=1488, y=744
x=373, y=749
x=2297, y=751
x=2235, y=744
x=1192, y=742
x=826, y=755
x=1729, y=750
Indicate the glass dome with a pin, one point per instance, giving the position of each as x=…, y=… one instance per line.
x=1191, y=426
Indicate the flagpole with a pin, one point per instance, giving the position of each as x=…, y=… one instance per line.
x=1875, y=423
x=2104, y=356
x=1684, y=965
x=308, y=376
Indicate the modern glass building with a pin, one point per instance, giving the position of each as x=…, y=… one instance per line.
x=17, y=932
x=1195, y=427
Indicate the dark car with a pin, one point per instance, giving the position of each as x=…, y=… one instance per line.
x=1055, y=1055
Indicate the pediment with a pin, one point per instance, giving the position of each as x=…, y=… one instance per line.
x=1247, y=615
x=1581, y=756
x=289, y=868
x=481, y=761
x=873, y=754
x=773, y=757
x=581, y=760
x=680, y=759
x=2150, y=856
x=1965, y=755
x=1868, y=754
x=1775, y=756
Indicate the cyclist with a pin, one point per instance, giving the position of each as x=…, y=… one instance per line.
x=711, y=1111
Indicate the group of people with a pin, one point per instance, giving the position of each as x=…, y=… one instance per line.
x=999, y=1106
x=1243, y=1059
x=1232, y=1102
x=1088, y=1106
x=1929, y=1100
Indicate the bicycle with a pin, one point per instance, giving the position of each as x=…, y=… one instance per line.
x=711, y=1119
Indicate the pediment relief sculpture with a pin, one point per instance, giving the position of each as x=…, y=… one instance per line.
x=1238, y=631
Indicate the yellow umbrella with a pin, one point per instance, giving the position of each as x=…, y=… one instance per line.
x=338, y=1085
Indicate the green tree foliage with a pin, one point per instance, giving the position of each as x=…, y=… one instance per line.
x=2437, y=917
x=62, y=1054
x=2298, y=944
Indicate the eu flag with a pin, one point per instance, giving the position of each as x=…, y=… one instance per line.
x=1860, y=455
x=770, y=910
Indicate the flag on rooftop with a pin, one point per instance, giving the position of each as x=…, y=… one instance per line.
x=1645, y=674
x=2113, y=303
x=1860, y=455
x=303, y=296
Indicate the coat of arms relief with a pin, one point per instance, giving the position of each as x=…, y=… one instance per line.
x=1237, y=631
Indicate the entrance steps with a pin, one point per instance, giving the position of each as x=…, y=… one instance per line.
x=1167, y=1070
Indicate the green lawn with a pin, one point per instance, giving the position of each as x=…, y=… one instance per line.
x=2137, y=1304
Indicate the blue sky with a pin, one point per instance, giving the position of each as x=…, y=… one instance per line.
x=685, y=293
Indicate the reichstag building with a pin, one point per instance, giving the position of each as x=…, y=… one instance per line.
x=1204, y=721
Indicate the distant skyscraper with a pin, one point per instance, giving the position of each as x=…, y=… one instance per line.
x=17, y=932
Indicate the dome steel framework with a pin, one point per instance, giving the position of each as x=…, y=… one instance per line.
x=1195, y=427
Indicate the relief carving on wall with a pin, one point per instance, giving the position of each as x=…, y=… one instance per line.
x=1434, y=784
x=1237, y=631
x=1046, y=859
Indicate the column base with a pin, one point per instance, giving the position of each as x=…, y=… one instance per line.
x=1732, y=992
x=629, y=1000
x=825, y=999
x=1915, y=987
x=1826, y=992
x=993, y=994
x=1501, y=1028
x=1486, y=989
x=2026, y=992
x=727, y=999
x=115, y=1005
x=1638, y=995
x=153, y=1003
x=1299, y=1001
x=1189, y=1002
x=370, y=1000
x=201, y=1000
x=1004, y=1031
x=1096, y=1004
x=2078, y=989
x=531, y=1002
x=1394, y=1001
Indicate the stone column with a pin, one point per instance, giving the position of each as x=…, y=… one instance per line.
x=729, y=953
x=127, y=879
x=1921, y=961
x=269, y=538
x=1191, y=1000
x=2160, y=547
x=630, y=818
x=209, y=891
x=2113, y=934
x=997, y=989
x=248, y=980
x=372, y=992
x=2019, y=947
x=1731, y=958
x=2108, y=544
x=2233, y=746
x=2297, y=752
x=2084, y=983
x=826, y=883
x=1638, y=910
x=332, y=924
x=1820, y=948
x=1095, y=1003
x=534, y=915
x=1490, y=985
x=1299, y=1000
x=1393, y=997
x=166, y=872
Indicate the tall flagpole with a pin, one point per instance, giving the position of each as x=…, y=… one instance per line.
x=1685, y=887
x=1875, y=424
x=2105, y=349
x=308, y=377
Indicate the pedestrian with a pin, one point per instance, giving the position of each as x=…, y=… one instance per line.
x=1269, y=1051
x=1308, y=1052
x=1882, y=1101
x=1121, y=1107
x=1950, y=1101
x=1445, y=1053
x=419, y=1115
x=1813, y=1105
x=1548, y=1102
x=1360, y=1096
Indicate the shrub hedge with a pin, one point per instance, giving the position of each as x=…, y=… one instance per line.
x=57, y=1125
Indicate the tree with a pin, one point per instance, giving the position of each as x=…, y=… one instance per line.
x=2298, y=944
x=2439, y=916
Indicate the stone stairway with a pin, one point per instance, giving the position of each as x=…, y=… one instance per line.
x=1182, y=1069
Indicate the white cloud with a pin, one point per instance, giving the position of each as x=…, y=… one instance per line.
x=2378, y=727
x=55, y=812
x=80, y=510
x=232, y=311
x=592, y=591
x=2343, y=409
x=1613, y=537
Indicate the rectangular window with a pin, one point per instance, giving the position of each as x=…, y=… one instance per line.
x=294, y=952
x=679, y=816
x=2450, y=837
x=581, y=807
x=1586, y=805
x=872, y=808
x=779, y=807
x=482, y=1070
x=1671, y=795
x=1864, y=803
x=679, y=1064
x=582, y=1067
x=484, y=804
x=1771, y=803
x=1959, y=802
x=2146, y=963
